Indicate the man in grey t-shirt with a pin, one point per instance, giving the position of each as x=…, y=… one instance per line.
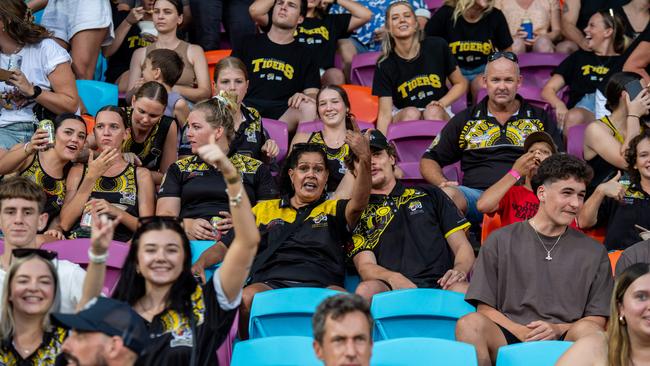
x=539, y=279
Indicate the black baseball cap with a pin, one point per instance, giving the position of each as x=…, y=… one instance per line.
x=111, y=317
x=539, y=136
x=377, y=140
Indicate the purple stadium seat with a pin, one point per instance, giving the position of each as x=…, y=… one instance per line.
x=76, y=251
x=362, y=69
x=434, y=4
x=412, y=176
x=575, y=139
x=459, y=105
x=536, y=67
x=278, y=131
x=313, y=126
x=412, y=138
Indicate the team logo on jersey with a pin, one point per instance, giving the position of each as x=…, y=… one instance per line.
x=181, y=337
x=261, y=64
x=319, y=221
x=415, y=207
x=128, y=198
x=250, y=136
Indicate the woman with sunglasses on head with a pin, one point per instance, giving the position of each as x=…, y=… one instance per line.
x=188, y=321
x=412, y=73
x=584, y=71
x=113, y=185
x=194, y=84
x=627, y=341
x=31, y=286
x=194, y=190
x=48, y=165
x=153, y=137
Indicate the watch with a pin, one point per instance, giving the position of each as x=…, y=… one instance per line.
x=37, y=92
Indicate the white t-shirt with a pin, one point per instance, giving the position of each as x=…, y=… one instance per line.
x=39, y=60
x=71, y=280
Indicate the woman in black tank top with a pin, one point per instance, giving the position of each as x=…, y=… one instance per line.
x=114, y=186
x=47, y=167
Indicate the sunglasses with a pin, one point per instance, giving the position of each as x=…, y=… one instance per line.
x=507, y=54
x=26, y=252
x=146, y=220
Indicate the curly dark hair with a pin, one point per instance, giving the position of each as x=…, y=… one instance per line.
x=286, y=186
x=17, y=21
x=560, y=167
x=336, y=307
x=631, y=155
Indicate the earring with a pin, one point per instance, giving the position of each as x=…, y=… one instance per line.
x=621, y=320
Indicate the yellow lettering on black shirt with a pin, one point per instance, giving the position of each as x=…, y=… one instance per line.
x=320, y=30
x=432, y=80
x=471, y=46
x=266, y=63
x=588, y=69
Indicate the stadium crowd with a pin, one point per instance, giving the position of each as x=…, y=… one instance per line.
x=190, y=151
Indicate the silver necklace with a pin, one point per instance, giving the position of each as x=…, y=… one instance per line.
x=548, y=251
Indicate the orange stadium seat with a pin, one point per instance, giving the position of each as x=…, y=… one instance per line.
x=490, y=223
x=365, y=106
x=90, y=122
x=213, y=57
x=613, y=259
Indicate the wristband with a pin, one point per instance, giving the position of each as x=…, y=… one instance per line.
x=515, y=174
x=98, y=259
x=235, y=201
x=25, y=148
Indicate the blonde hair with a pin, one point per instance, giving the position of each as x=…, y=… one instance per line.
x=461, y=6
x=7, y=324
x=387, y=41
x=219, y=112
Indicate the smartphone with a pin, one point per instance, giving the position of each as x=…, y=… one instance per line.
x=5, y=74
x=633, y=88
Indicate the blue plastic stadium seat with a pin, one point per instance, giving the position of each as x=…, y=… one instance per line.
x=285, y=312
x=273, y=351
x=418, y=313
x=542, y=353
x=96, y=94
x=423, y=351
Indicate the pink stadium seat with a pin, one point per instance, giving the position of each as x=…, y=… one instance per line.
x=278, y=131
x=536, y=67
x=575, y=139
x=412, y=138
x=362, y=69
x=76, y=251
x=313, y=126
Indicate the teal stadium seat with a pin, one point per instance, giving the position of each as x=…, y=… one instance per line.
x=274, y=351
x=427, y=313
x=96, y=94
x=285, y=312
x=542, y=353
x=423, y=351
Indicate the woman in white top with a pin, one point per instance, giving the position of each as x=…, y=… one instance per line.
x=43, y=79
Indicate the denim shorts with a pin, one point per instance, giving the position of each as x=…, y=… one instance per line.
x=471, y=196
x=471, y=74
x=16, y=133
x=362, y=48
x=587, y=102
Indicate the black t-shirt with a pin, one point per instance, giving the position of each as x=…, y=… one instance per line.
x=120, y=61
x=470, y=43
x=276, y=71
x=620, y=217
x=335, y=160
x=486, y=148
x=171, y=332
x=590, y=7
x=251, y=135
x=585, y=71
x=150, y=150
x=321, y=36
x=627, y=26
x=415, y=83
x=202, y=189
x=46, y=353
x=407, y=231
x=314, y=252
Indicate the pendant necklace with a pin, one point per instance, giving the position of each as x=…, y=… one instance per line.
x=548, y=251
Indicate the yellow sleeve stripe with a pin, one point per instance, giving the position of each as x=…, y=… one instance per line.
x=461, y=227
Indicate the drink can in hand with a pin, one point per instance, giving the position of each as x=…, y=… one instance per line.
x=48, y=126
x=15, y=62
x=527, y=26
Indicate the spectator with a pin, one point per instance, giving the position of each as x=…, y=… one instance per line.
x=108, y=182
x=545, y=18
x=575, y=17
x=194, y=83
x=343, y=331
x=128, y=38
x=251, y=139
x=486, y=138
x=334, y=110
x=412, y=73
x=637, y=253
x=368, y=38
x=620, y=207
x=583, y=71
x=208, y=20
x=82, y=27
x=408, y=238
x=48, y=167
x=303, y=232
x=635, y=16
x=511, y=201
x=638, y=60
x=154, y=136
x=607, y=138
x=520, y=281
x=320, y=30
x=108, y=332
x=284, y=74
x=626, y=340
x=188, y=321
x=194, y=190
x=474, y=29
x=22, y=206
x=165, y=67
x=44, y=81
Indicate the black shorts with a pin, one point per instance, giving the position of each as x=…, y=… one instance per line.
x=276, y=284
x=512, y=339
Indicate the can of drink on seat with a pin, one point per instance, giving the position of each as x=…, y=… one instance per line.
x=527, y=26
x=48, y=126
